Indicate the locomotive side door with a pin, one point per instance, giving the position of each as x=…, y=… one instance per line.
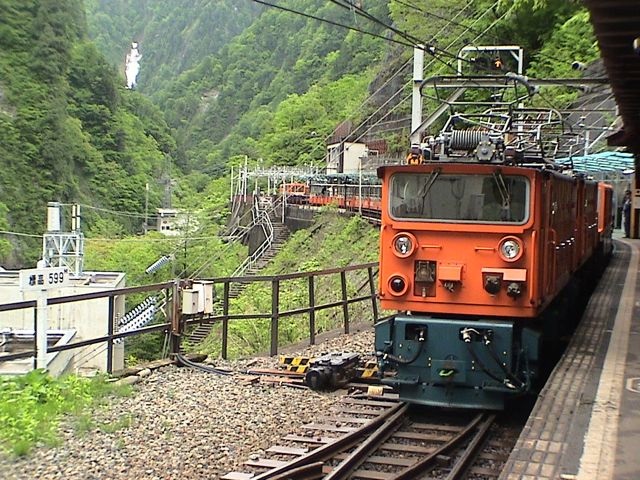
x=549, y=235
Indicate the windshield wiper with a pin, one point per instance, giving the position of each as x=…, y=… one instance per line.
x=504, y=193
x=429, y=183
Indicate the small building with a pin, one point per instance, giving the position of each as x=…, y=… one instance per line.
x=66, y=323
x=345, y=157
x=173, y=222
x=352, y=157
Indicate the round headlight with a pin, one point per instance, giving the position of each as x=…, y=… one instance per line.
x=404, y=244
x=510, y=249
x=398, y=285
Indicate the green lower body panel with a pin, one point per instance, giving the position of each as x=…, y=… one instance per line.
x=456, y=363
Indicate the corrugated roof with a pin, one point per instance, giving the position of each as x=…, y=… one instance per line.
x=601, y=162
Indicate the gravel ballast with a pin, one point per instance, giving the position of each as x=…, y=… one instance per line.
x=182, y=423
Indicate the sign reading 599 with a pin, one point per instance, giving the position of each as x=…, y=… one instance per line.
x=44, y=278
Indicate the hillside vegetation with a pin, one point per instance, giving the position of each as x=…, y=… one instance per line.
x=219, y=80
x=334, y=241
x=277, y=89
x=174, y=35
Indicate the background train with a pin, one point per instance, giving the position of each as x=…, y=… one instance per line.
x=361, y=193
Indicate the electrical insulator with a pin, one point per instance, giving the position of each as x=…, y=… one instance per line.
x=157, y=264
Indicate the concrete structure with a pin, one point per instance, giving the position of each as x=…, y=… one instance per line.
x=82, y=320
x=345, y=157
x=173, y=222
x=22, y=340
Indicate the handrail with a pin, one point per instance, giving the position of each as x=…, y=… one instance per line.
x=276, y=313
x=261, y=218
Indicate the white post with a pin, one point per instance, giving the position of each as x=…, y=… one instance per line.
x=231, y=192
x=244, y=182
x=360, y=185
x=146, y=208
x=41, y=324
x=284, y=195
x=53, y=217
x=520, y=60
x=586, y=142
x=416, y=102
x=39, y=280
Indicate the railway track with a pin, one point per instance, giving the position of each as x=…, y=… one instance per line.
x=382, y=439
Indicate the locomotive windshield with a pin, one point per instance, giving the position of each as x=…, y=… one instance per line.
x=490, y=198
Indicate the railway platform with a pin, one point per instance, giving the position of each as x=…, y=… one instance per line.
x=586, y=422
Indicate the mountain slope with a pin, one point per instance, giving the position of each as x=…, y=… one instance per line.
x=173, y=35
x=68, y=131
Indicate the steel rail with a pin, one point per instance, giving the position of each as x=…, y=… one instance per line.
x=471, y=452
x=312, y=471
x=344, y=470
x=429, y=462
x=330, y=449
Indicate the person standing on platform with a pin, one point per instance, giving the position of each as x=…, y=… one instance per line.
x=626, y=213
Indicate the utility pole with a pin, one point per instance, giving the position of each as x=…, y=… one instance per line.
x=360, y=185
x=186, y=237
x=146, y=208
x=418, y=76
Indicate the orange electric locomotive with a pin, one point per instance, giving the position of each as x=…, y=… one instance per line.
x=485, y=249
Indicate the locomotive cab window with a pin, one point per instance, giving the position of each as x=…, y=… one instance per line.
x=474, y=198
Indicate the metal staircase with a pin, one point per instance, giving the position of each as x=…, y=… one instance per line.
x=276, y=233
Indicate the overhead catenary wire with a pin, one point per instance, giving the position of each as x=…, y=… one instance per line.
x=450, y=21
x=398, y=71
x=106, y=210
x=411, y=40
x=399, y=91
x=20, y=234
x=408, y=97
x=331, y=22
x=414, y=41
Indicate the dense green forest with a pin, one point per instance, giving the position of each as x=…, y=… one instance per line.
x=227, y=103
x=218, y=81
x=68, y=131
x=180, y=33
x=277, y=90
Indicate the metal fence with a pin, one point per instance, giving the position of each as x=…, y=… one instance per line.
x=170, y=287
x=224, y=317
x=175, y=323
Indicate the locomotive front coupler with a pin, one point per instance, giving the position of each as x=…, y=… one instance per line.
x=469, y=334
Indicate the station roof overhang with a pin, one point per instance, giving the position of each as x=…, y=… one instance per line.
x=616, y=24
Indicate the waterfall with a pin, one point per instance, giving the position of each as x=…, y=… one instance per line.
x=132, y=65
